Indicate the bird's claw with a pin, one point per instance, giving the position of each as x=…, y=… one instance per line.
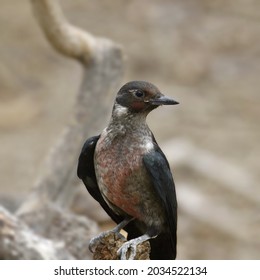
x=93, y=243
x=127, y=251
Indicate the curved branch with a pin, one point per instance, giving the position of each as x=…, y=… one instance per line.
x=103, y=68
x=43, y=218
x=67, y=39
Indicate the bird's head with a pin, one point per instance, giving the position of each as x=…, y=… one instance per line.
x=140, y=97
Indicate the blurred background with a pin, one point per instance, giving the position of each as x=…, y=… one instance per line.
x=205, y=54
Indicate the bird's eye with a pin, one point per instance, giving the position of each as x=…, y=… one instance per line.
x=139, y=94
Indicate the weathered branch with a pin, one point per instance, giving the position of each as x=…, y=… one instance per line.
x=45, y=211
x=17, y=241
x=103, y=68
x=57, y=224
x=67, y=39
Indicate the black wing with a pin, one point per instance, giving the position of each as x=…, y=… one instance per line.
x=86, y=172
x=163, y=246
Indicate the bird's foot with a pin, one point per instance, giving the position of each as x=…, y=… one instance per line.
x=105, y=237
x=95, y=241
x=129, y=249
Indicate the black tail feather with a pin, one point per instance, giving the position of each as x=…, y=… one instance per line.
x=161, y=247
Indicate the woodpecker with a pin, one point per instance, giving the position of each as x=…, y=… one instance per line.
x=125, y=170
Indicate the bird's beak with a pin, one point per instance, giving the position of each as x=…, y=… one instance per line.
x=162, y=100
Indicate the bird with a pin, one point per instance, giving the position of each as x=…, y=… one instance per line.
x=125, y=170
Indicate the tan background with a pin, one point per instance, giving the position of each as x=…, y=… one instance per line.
x=205, y=54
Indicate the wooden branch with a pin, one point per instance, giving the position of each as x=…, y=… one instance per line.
x=58, y=224
x=67, y=39
x=45, y=228
x=103, y=68
x=45, y=209
x=17, y=241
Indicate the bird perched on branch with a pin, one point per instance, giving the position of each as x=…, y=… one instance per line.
x=125, y=170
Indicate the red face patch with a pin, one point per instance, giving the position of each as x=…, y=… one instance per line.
x=138, y=106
